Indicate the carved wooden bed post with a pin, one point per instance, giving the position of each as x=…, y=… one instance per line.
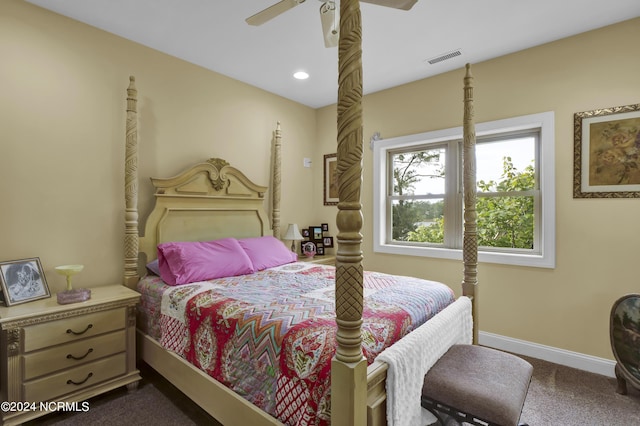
x=349, y=367
x=277, y=182
x=131, y=188
x=470, y=243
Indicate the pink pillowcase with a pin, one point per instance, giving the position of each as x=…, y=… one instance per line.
x=187, y=262
x=267, y=252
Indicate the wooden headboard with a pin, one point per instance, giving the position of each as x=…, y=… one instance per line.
x=207, y=201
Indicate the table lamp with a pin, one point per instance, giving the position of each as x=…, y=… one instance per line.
x=293, y=234
x=71, y=295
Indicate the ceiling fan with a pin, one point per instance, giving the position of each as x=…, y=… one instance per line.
x=328, y=14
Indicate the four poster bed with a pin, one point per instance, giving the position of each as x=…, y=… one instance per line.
x=214, y=203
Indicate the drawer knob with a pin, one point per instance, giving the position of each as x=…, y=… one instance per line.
x=71, y=382
x=77, y=333
x=78, y=358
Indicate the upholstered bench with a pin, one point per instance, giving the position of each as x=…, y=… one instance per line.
x=477, y=385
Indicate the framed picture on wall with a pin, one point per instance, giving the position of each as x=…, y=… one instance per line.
x=327, y=242
x=23, y=281
x=606, y=162
x=331, y=197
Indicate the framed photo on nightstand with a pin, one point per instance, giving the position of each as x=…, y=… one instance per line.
x=309, y=248
x=315, y=233
x=23, y=281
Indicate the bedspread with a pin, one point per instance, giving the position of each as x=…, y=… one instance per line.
x=270, y=336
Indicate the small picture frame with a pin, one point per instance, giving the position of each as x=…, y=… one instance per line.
x=325, y=227
x=331, y=196
x=23, y=281
x=327, y=242
x=305, y=233
x=309, y=248
x=315, y=233
x=320, y=250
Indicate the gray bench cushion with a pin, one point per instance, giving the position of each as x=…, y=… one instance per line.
x=486, y=383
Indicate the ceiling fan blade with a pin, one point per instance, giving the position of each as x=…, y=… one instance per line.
x=330, y=25
x=396, y=4
x=272, y=11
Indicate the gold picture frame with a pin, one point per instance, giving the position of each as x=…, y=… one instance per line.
x=607, y=153
x=331, y=196
x=23, y=281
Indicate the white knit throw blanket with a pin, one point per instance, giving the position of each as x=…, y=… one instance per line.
x=411, y=357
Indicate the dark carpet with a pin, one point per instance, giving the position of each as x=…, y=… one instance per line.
x=156, y=402
x=558, y=396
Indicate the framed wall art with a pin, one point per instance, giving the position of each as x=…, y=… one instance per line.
x=23, y=281
x=331, y=196
x=607, y=153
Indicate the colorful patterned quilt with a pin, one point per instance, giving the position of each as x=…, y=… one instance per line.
x=270, y=336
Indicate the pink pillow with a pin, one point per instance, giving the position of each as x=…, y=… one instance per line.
x=267, y=252
x=187, y=262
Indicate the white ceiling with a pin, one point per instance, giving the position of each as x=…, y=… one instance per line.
x=396, y=43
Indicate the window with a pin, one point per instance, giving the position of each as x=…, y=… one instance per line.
x=418, y=192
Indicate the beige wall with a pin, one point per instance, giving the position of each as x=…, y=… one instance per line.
x=597, y=244
x=62, y=121
x=62, y=146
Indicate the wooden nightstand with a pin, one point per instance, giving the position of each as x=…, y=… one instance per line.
x=66, y=353
x=320, y=260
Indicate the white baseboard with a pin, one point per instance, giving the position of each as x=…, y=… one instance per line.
x=548, y=353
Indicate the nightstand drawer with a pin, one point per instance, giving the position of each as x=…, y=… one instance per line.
x=73, y=354
x=67, y=381
x=74, y=328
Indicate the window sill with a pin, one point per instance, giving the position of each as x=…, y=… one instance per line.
x=517, y=259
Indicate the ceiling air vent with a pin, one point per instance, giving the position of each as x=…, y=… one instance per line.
x=444, y=57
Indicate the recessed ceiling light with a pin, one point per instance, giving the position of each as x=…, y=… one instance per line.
x=301, y=75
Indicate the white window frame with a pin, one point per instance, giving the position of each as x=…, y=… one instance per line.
x=545, y=258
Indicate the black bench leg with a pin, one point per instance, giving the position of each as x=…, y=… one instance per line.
x=444, y=419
